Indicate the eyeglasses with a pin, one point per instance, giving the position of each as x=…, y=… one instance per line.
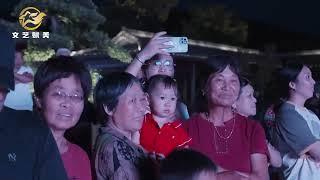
x=164, y=63
x=61, y=96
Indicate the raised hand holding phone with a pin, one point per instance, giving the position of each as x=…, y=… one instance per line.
x=179, y=45
x=156, y=45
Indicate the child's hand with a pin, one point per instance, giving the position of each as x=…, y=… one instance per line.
x=156, y=156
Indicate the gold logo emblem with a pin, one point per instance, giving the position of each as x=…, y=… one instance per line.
x=30, y=18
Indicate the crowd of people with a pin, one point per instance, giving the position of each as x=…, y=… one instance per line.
x=147, y=132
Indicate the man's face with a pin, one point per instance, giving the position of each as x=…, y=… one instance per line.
x=3, y=95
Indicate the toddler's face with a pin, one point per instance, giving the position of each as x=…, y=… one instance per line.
x=163, y=101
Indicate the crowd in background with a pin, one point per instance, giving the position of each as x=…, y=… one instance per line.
x=147, y=131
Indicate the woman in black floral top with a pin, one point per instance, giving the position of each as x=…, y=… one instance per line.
x=121, y=99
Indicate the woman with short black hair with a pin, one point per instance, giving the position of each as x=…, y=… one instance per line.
x=235, y=143
x=120, y=98
x=61, y=87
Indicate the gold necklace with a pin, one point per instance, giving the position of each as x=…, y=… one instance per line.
x=231, y=132
x=215, y=144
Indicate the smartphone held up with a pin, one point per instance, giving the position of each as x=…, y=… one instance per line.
x=180, y=45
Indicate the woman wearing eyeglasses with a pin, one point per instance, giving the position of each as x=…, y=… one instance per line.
x=154, y=60
x=61, y=87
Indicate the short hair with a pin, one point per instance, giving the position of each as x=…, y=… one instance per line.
x=167, y=81
x=185, y=164
x=243, y=82
x=217, y=64
x=287, y=74
x=108, y=90
x=21, y=46
x=61, y=67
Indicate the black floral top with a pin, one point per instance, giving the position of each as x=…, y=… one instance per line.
x=116, y=157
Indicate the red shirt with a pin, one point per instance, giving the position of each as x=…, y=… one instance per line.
x=165, y=139
x=77, y=163
x=231, y=153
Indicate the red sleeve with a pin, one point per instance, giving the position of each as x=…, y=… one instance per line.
x=258, y=140
x=183, y=138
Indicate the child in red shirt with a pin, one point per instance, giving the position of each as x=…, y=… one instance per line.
x=161, y=132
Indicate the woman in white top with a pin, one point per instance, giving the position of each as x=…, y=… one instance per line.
x=297, y=128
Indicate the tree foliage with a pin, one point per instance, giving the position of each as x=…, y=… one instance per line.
x=72, y=24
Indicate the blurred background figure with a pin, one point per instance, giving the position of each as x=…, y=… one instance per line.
x=21, y=98
x=63, y=52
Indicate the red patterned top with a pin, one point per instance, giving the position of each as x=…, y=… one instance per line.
x=165, y=139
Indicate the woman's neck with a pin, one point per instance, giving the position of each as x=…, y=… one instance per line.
x=297, y=100
x=219, y=115
x=60, y=140
x=113, y=125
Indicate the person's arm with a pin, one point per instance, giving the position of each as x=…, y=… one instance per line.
x=275, y=157
x=155, y=46
x=230, y=175
x=295, y=131
x=258, y=153
x=23, y=78
x=313, y=150
x=259, y=167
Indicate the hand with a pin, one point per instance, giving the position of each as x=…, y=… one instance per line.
x=155, y=46
x=156, y=156
x=26, y=74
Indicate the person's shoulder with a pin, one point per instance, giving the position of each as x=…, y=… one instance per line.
x=195, y=120
x=27, y=121
x=248, y=122
x=285, y=107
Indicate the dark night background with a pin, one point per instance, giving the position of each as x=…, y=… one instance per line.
x=291, y=25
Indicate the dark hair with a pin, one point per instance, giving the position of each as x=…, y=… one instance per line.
x=21, y=46
x=215, y=64
x=61, y=67
x=243, y=82
x=185, y=164
x=167, y=81
x=219, y=63
x=285, y=75
x=108, y=90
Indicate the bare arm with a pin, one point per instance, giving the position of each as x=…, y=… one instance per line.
x=259, y=167
x=230, y=175
x=313, y=150
x=275, y=157
x=154, y=46
x=23, y=78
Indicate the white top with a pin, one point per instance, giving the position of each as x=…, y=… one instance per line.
x=20, y=98
x=303, y=167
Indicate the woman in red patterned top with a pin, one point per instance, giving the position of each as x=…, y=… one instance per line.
x=235, y=143
x=161, y=133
